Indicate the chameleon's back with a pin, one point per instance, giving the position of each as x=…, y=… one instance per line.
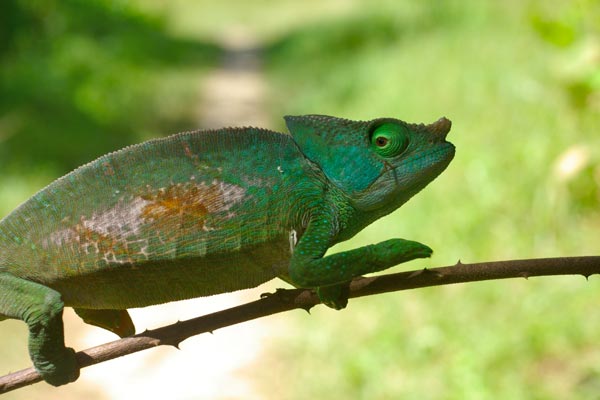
x=134, y=217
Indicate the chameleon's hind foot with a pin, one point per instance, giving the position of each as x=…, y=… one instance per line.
x=64, y=369
x=41, y=308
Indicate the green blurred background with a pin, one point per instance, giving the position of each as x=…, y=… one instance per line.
x=519, y=79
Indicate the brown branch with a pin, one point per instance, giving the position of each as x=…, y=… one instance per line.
x=285, y=300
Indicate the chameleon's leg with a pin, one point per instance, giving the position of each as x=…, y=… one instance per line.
x=310, y=269
x=41, y=308
x=116, y=321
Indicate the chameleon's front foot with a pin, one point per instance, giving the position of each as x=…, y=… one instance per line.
x=331, y=274
x=62, y=369
x=335, y=296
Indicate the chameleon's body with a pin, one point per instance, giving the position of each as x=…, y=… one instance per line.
x=202, y=213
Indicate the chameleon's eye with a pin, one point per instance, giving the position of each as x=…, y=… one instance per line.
x=389, y=140
x=381, y=141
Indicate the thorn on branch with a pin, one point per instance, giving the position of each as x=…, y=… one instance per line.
x=172, y=344
x=306, y=308
x=424, y=271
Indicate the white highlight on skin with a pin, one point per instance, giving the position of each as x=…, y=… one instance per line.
x=293, y=240
x=123, y=218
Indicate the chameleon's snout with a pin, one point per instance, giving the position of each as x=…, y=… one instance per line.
x=441, y=127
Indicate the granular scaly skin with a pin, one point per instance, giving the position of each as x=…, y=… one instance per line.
x=209, y=212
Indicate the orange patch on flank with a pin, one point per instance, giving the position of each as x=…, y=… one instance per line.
x=186, y=202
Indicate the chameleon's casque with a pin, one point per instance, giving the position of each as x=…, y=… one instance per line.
x=208, y=212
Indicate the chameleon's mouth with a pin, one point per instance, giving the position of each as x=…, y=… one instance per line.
x=442, y=156
x=399, y=186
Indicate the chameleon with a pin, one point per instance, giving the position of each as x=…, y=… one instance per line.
x=206, y=212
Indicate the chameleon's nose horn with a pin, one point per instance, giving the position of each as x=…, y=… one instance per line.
x=440, y=127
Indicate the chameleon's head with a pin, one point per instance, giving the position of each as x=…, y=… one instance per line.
x=378, y=164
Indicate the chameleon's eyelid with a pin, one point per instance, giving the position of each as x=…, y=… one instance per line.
x=396, y=139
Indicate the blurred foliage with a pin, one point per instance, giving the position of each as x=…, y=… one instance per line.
x=80, y=78
x=575, y=27
x=520, y=81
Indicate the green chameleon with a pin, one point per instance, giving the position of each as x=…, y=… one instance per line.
x=208, y=212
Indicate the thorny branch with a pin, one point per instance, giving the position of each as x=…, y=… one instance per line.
x=285, y=300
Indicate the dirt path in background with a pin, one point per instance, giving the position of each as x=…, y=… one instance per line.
x=234, y=95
